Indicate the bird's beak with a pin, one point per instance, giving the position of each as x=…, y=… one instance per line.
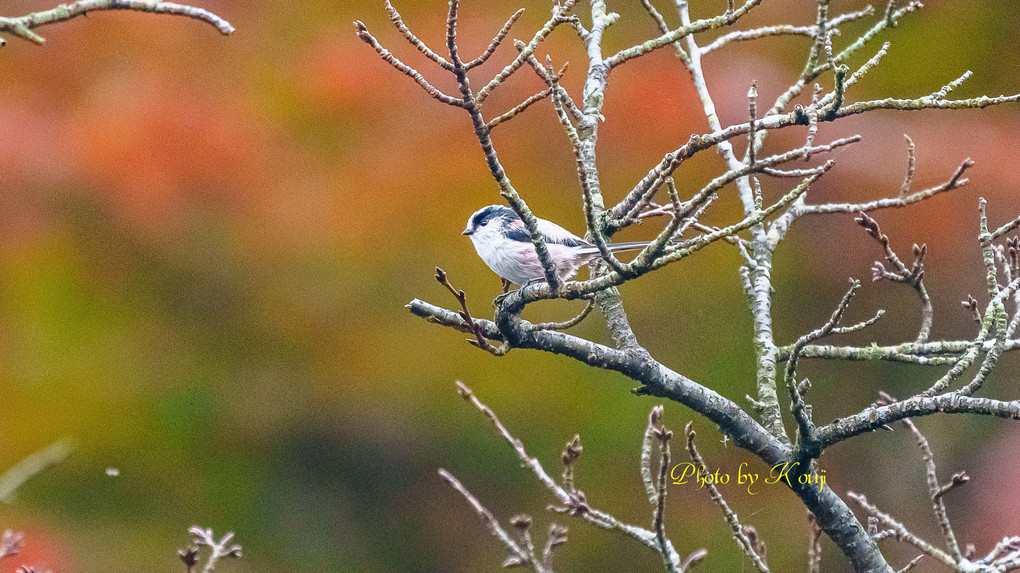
x=467, y=231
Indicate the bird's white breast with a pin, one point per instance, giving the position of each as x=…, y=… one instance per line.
x=517, y=261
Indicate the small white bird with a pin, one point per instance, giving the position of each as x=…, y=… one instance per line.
x=504, y=244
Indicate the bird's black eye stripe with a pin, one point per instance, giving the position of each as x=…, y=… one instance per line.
x=491, y=212
x=482, y=217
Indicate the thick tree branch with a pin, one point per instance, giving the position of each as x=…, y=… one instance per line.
x=834, y=517
x=936, y=353
x=875, y=417
x=767, y=437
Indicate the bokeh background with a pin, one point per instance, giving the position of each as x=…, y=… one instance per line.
x=206, y=244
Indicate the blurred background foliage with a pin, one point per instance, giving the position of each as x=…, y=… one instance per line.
x=206, y=245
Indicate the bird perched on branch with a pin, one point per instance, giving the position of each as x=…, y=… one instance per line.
x=504, y=244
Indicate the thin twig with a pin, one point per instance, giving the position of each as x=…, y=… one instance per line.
x=472, y=325
x=547, y=77
x=657, y=431
x=954, y=182
x=519, y=108
x=908, y=180
x=567, y=323
x=738, y=531
x=744, y=35
x=799, y=408
x=573, y=501
x=31, y=466
x=673, y=36
x=935, y=490
x=492, y=524
x=901, y=532
x=403, y=68
x=496, y=41
x=224, y=548
x=912, y=276
x=22, y=26
x=814, y=544
x=654, y=13
x=558, y=17
x=398, y=21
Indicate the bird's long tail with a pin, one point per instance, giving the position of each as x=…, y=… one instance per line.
x=617, y=247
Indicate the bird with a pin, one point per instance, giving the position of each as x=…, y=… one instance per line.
x=504, y=244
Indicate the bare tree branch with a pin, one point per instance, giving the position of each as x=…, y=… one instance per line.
x=757, y=232
x=22, y=26
x=739, y=532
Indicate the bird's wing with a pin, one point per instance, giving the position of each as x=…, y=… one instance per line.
x=554, y=233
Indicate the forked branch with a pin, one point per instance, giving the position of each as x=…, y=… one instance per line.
x=763, y=223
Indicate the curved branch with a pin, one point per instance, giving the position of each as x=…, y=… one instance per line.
x=672, y=160
x=955, y=182
x=389, y=58
x=578, y=289
x=680, y=33
x=22, y=26
x=656, y=378
x=496, y=41
x=398, y=21
x=834, y=517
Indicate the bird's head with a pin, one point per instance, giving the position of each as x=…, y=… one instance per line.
x=490, y=220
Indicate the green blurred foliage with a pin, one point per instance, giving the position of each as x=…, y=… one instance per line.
x=207, y=244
